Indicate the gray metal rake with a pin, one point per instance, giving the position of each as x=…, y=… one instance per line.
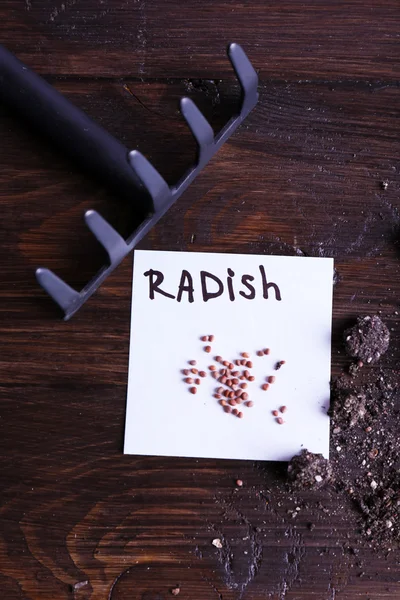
x=131, y=172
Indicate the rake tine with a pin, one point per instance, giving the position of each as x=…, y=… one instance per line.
x=61, y=292
x=200, y=128
x=151, y=179
x=112, y=242
x=247, y=76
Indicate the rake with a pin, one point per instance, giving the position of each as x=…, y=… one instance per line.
x=129, y=171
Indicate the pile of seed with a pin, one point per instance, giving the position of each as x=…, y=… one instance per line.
x=233, y=378
x=190, y=380
x=233, y=382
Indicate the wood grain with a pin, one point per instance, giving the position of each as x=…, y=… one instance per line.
x=303, y=175
x=286, y=40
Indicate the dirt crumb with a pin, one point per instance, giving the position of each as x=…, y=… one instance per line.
x=309, y=471
x=348, y=408
x=368, y=339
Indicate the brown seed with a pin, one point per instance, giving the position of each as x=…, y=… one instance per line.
x=219, y=390
x=229, y=382
x=217, y=396
x=368, y=429
x=243, y=386
x=283, y=409
x=231, y=366
x=186, y=371
x=218, y=358
x=239, y=482
x=249, y=364
x=192, y=362
x=211, y=338
x=275, y=413
x=239, y=401
x=260, y=353
x=207, y=348
x=235, y=373
x=212, y=368
x=197, y=381
x=222, y=371
x=243, y=362
x=227, y=409
x=232, y=402
x=222, y=379
x=266, y=351
x=202, y=373
x=240, y=415
x=250, y=403
x=251, y=378
x=226, y=363
x=238, y=393
x=244, y=396
x=193, y=390
x=271, y=379
x=223, y=402
x=280, y=421
x=188, y=380
x=235, y=380
x=194, y=371
x=231, y=394
x=360, y=363
x=246, y=373
x=226, y=393
x=215, y=375
x=265, y=386
x=245, y=355
x=235, y=411
x=242, y=377
x=238, y=362
x=204, y=338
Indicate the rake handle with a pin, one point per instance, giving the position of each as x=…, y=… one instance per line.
x=88, y=144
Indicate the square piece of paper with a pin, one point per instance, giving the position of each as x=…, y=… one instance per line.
x=249, y=303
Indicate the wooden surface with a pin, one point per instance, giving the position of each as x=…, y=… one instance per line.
x=302, y=175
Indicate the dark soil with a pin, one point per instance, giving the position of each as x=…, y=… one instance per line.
x=368, y=339
x=309, y=471
x=365, y=450
x=365, y=439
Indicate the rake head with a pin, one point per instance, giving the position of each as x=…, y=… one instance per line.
x=133, y=167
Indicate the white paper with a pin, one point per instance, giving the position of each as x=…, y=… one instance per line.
x=164, y=418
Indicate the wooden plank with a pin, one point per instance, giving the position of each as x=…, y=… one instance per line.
x=286, y=40
x=78, y=519
x=302, y=176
